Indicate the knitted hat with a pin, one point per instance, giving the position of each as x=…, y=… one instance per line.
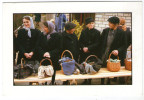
x=88, y=20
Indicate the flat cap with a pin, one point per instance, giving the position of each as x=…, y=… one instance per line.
x=114, y=20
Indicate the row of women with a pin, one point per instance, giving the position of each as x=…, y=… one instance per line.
x=36, y=45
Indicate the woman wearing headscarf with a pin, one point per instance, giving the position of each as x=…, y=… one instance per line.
x=27, y=40
x=50, y=45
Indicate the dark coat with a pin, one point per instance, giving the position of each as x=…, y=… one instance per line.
x=119, y=43
x=27, y=44
x=70, y=42
x=37, y=17
x=128, y=35
x=15, y=47
x=53, y=46
x=90, y=39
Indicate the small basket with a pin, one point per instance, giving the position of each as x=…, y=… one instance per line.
x=128, y=64
x=45, y=75
x=113, y=66
x=68, y=60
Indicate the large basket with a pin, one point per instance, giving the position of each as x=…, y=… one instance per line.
x=113, y=66
x=68, y=63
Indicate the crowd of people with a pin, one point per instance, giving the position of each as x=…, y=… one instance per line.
x=33, y=44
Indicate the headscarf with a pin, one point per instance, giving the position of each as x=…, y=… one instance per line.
x=31, y=26
x=51, y=28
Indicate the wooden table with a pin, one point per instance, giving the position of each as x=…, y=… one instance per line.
x=103, y=73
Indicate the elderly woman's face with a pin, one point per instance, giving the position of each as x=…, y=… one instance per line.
x=46, y=29
x=90, y=25
x=26, y=23
x=72, y=31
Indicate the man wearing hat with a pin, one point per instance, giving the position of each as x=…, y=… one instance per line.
x=113, y=40
x=89, y=42
x=70, y=40
x=122, y=25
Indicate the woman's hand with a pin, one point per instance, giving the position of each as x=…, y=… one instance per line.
x=85, y=49
x=115, y=52
x=47, y=55
x=31, y=54
x=27, y=55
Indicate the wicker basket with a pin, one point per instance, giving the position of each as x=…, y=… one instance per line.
x=128, y=64
x=113, y=66
x=62, y=56
x=22, y=61
x=50, y=64
x=46, y=59
x=90, y=57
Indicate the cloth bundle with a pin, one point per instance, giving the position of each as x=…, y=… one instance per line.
x=35, y=65
x=81, y=67
x=23, y=72
x=89, y=69
x=45, y=70
x=25, y=69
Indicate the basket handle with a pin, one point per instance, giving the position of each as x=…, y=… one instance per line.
x=110, y=56
x=90, y=56
x=46, y=59
x=68, y=52
x=16, y=59
x=22, y=59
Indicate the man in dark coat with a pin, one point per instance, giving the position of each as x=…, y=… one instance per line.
x=113, y=40
x=122, y=26
x=70, y=40
x=89, y=40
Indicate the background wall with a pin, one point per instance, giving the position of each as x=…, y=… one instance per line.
x=101, y=19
